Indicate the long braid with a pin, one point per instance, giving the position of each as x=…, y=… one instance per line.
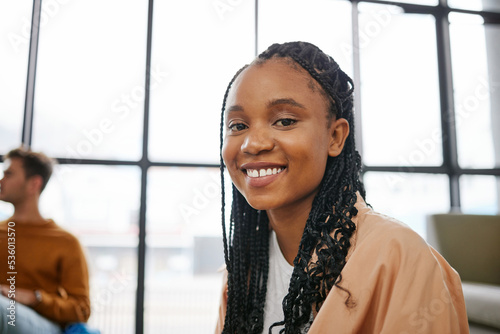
x=245, y=251
x=328, y=229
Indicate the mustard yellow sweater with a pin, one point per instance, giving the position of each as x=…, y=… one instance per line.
x=49, y=259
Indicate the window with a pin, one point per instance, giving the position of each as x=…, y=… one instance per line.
x=324, y=23
x=197, y=65
x=475, y=84
x=400, y=121
x=184, y=249
x=480, y=194
x=408, y=197
x=127, y=95
x=92, y=89
x=15, y=32
x=100, y=205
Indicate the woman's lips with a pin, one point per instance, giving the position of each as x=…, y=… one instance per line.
x=263, y=172
x=261, y=177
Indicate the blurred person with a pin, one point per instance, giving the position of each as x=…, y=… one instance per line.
x=43, y=271
x=304, y=252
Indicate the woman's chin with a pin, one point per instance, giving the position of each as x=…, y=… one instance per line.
x=260, y=204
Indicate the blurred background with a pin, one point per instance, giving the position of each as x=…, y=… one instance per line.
x=126, y=94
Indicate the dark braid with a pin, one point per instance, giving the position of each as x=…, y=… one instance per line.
x=223, y=191
x=246, y=253
x=328, y=229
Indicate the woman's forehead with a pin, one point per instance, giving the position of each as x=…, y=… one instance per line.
x=276, y=75
x=284, y=65
x=282, y=72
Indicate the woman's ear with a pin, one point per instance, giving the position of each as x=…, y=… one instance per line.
x=339, y=130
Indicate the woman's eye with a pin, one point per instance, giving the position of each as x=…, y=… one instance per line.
x=237, y=127
x=286, y=122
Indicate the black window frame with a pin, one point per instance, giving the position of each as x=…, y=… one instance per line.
x=449, y=167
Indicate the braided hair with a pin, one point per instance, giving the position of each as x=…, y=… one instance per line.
x=327, y=231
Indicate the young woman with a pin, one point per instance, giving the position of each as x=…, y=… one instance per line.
x=304, y=252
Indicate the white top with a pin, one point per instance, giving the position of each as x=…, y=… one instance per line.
x=278, y=281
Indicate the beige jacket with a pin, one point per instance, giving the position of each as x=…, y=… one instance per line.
x=399, y=285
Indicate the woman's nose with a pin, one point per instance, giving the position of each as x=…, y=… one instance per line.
x=257, y=141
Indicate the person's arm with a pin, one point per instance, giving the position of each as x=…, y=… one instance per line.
x=71, y=303
x=24, y=296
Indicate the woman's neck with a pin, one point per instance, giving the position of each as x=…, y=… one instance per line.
x=288, y=224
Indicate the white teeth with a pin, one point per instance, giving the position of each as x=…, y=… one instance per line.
x=263, y=172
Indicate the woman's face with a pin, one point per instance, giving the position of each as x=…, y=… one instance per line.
x=278, y=136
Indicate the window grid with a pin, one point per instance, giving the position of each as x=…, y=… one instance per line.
x=450, y=166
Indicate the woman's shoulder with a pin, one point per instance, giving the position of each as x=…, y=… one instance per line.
x=375, y=224
x=380, y=232
x=392, y=274
x=383, y=245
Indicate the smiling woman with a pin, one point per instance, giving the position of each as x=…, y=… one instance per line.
x=268, y=129
x=304, y=252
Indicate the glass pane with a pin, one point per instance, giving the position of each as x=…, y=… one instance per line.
x=408, y=197
x=198, y=45
x=324, y=23
x=185, y=250
x=475, y=55
x=487, y=5
x=419, y=2
x=100, y=205
x=480, y=194
x=6, y=209
x=90, y=80
x=15, y=32
x=399, y=88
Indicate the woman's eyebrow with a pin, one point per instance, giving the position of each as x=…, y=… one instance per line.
x=270, y=104
x=288, y=101
x=235, y=107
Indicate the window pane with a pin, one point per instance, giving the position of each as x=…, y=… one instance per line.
x=324, y=23
x=419, y=2
x=90, y=79
x=199, y=45
x=100, y=205
x=480, y=194
x=6, y=209
x=15, y=30
x=488, y=5
x=408, y=197
x=399, y=88
x=475, y=55
x=184, y=250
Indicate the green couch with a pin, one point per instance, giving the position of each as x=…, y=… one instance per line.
x=471, y=244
